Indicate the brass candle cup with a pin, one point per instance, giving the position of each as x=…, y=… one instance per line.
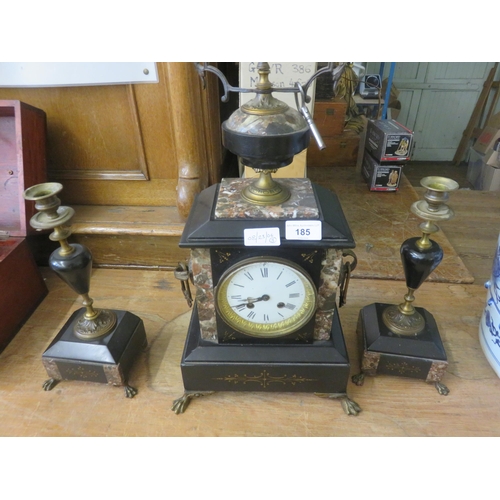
x=72, y=262
x=400, y=339
x=420, y=256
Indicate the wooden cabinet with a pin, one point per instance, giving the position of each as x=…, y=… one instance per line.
x=22, y=164
x=132, y=145
x=147, y=147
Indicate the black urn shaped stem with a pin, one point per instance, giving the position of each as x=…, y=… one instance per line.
x=72, y=262
x=420, y=256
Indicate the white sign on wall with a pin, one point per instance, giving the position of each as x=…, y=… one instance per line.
x=58, y=74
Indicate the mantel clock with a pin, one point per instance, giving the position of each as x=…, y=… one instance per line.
x=266, y=260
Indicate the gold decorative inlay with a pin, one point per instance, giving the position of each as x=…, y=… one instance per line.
x=403, y=368
x=265, y=379
x=223, y=256
x=228, y=336
x=83, y=373
x=301, y=337
x=309, y=257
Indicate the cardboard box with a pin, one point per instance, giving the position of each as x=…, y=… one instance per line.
x=388, y=141
x=481, y=175
x=380, y=177
x=485, y=145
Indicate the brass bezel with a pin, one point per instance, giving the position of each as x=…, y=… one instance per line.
x=261, y=330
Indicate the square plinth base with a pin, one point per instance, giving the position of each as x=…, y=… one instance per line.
x=385, y=353
x=321, y=367
x=105, y=360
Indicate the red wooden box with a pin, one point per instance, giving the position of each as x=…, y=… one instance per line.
x=22, y=164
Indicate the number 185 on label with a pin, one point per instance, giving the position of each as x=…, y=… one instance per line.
x=303, y=230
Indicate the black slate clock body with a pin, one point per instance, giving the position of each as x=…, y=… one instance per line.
x=221, y=357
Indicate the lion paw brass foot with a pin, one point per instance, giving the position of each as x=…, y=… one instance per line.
x=349, y=406
x=180, y=404
x=130, y=391
x=442, y=389
x=358, y=379
x=49, y=384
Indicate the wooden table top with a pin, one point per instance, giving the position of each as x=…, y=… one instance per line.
x=381, y=221
x=391, y=406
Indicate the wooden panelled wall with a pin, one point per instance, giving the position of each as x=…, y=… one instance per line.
x=136, y=145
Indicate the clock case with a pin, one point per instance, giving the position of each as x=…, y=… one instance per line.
x=215, y=357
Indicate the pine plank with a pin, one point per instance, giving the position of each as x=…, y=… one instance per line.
x=391, y=406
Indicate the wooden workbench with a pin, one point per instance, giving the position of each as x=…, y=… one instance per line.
x=391, y=406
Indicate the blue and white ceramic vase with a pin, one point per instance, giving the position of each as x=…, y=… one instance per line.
x=489, y=328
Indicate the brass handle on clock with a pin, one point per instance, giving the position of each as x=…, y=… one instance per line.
x=345, y=275
x=181, y=272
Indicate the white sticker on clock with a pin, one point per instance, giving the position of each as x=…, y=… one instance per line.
x=262, y=237
x=303, y=230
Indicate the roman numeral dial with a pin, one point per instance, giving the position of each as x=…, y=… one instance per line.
x=266, y=297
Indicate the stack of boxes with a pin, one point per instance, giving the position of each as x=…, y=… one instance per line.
x=387, y=148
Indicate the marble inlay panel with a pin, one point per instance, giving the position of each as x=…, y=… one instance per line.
x=327, y=292
x=437, y=371
x=301, y=205
x=369, y=363
x=201, y=268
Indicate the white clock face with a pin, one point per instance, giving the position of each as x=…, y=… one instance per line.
x=266, y=297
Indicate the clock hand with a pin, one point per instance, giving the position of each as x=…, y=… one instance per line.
x=251, y=300
x=264, y=297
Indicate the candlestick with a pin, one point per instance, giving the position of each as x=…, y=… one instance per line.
x=403, y=339
x=95, y=344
